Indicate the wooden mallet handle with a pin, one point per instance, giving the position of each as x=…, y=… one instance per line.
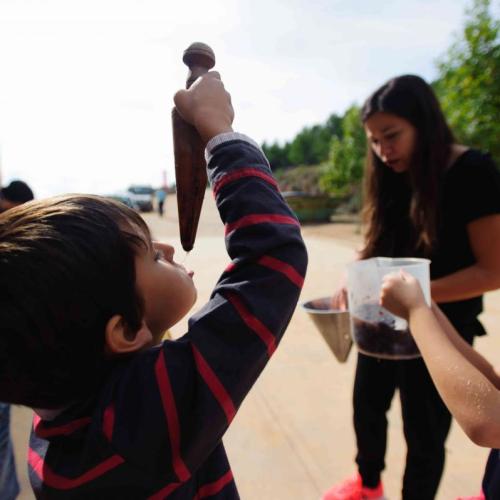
x=199, y=58
x=189, y=149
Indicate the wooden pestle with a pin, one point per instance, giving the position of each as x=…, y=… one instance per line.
x=189, y=148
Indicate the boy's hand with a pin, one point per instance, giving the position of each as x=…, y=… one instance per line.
x=401, y=293
x=206, y=105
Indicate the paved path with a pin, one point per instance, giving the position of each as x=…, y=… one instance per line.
x=293, y=437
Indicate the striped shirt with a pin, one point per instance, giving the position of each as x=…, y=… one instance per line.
x=155, y=430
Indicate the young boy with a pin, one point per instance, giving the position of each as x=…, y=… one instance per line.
x=467, y=382
x=86, y=296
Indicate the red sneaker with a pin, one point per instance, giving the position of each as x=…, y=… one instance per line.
x=477, y=497
x=353, y=489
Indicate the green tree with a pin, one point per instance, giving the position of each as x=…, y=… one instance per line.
x=301, y=148
x=469, y=81
x=343, y=172
x=333, y=126
x=310, y=146
x=277, y=155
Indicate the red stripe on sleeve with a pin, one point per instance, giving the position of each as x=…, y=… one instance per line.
x=215, y=385
x=109, y=421
x=249, y=220
x=282, y=267
x=253, y=323
x=167, y=398
x=164, y=492
x=240, y=174
x=62, y=430
x=230, y=267
x=210, y=489
x=50, y=478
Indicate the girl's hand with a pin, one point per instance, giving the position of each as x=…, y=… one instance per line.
x=401, y=293
x=206, y=105
x=339, y=299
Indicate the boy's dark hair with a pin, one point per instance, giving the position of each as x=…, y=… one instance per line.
x=411, y=98
x=17, y=192
x=66, y=267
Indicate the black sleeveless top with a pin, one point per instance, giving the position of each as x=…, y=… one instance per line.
x=470, y=189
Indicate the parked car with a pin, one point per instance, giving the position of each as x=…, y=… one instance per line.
x=124, y=198
x=142, y=197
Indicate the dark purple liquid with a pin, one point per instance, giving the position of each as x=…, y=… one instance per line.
x=381, y=339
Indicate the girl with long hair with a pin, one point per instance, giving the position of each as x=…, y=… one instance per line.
x=425, y=196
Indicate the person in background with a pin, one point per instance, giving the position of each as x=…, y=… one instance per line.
x=161, y=196
x=9, y=485
x=426, y=196
x=16, y=193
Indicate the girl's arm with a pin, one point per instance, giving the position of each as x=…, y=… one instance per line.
x=484, y=275
x=481, y=363
x=468, y=384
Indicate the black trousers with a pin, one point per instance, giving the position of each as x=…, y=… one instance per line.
x=491, y=480
x=425, y=417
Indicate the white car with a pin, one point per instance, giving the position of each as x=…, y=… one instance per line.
x=142, y=197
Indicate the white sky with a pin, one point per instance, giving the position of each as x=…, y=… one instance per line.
x=86, y=86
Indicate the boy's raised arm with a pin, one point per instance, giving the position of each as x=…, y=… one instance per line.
x=195, y=385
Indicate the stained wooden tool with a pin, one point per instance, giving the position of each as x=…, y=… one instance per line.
x=190, y=165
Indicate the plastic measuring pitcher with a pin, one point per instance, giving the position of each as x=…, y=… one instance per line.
x=375, y=330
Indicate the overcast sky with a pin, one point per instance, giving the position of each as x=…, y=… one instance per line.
x=86, y=86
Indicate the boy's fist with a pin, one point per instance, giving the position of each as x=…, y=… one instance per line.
x=206, y=105
x=400, y=293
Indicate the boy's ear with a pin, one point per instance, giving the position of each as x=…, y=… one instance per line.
x=119, y=339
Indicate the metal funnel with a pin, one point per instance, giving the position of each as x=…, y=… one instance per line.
x=333, y=324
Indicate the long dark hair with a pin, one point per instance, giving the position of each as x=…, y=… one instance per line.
x=389, y=196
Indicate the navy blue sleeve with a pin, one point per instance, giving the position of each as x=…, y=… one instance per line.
x=170, y=407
